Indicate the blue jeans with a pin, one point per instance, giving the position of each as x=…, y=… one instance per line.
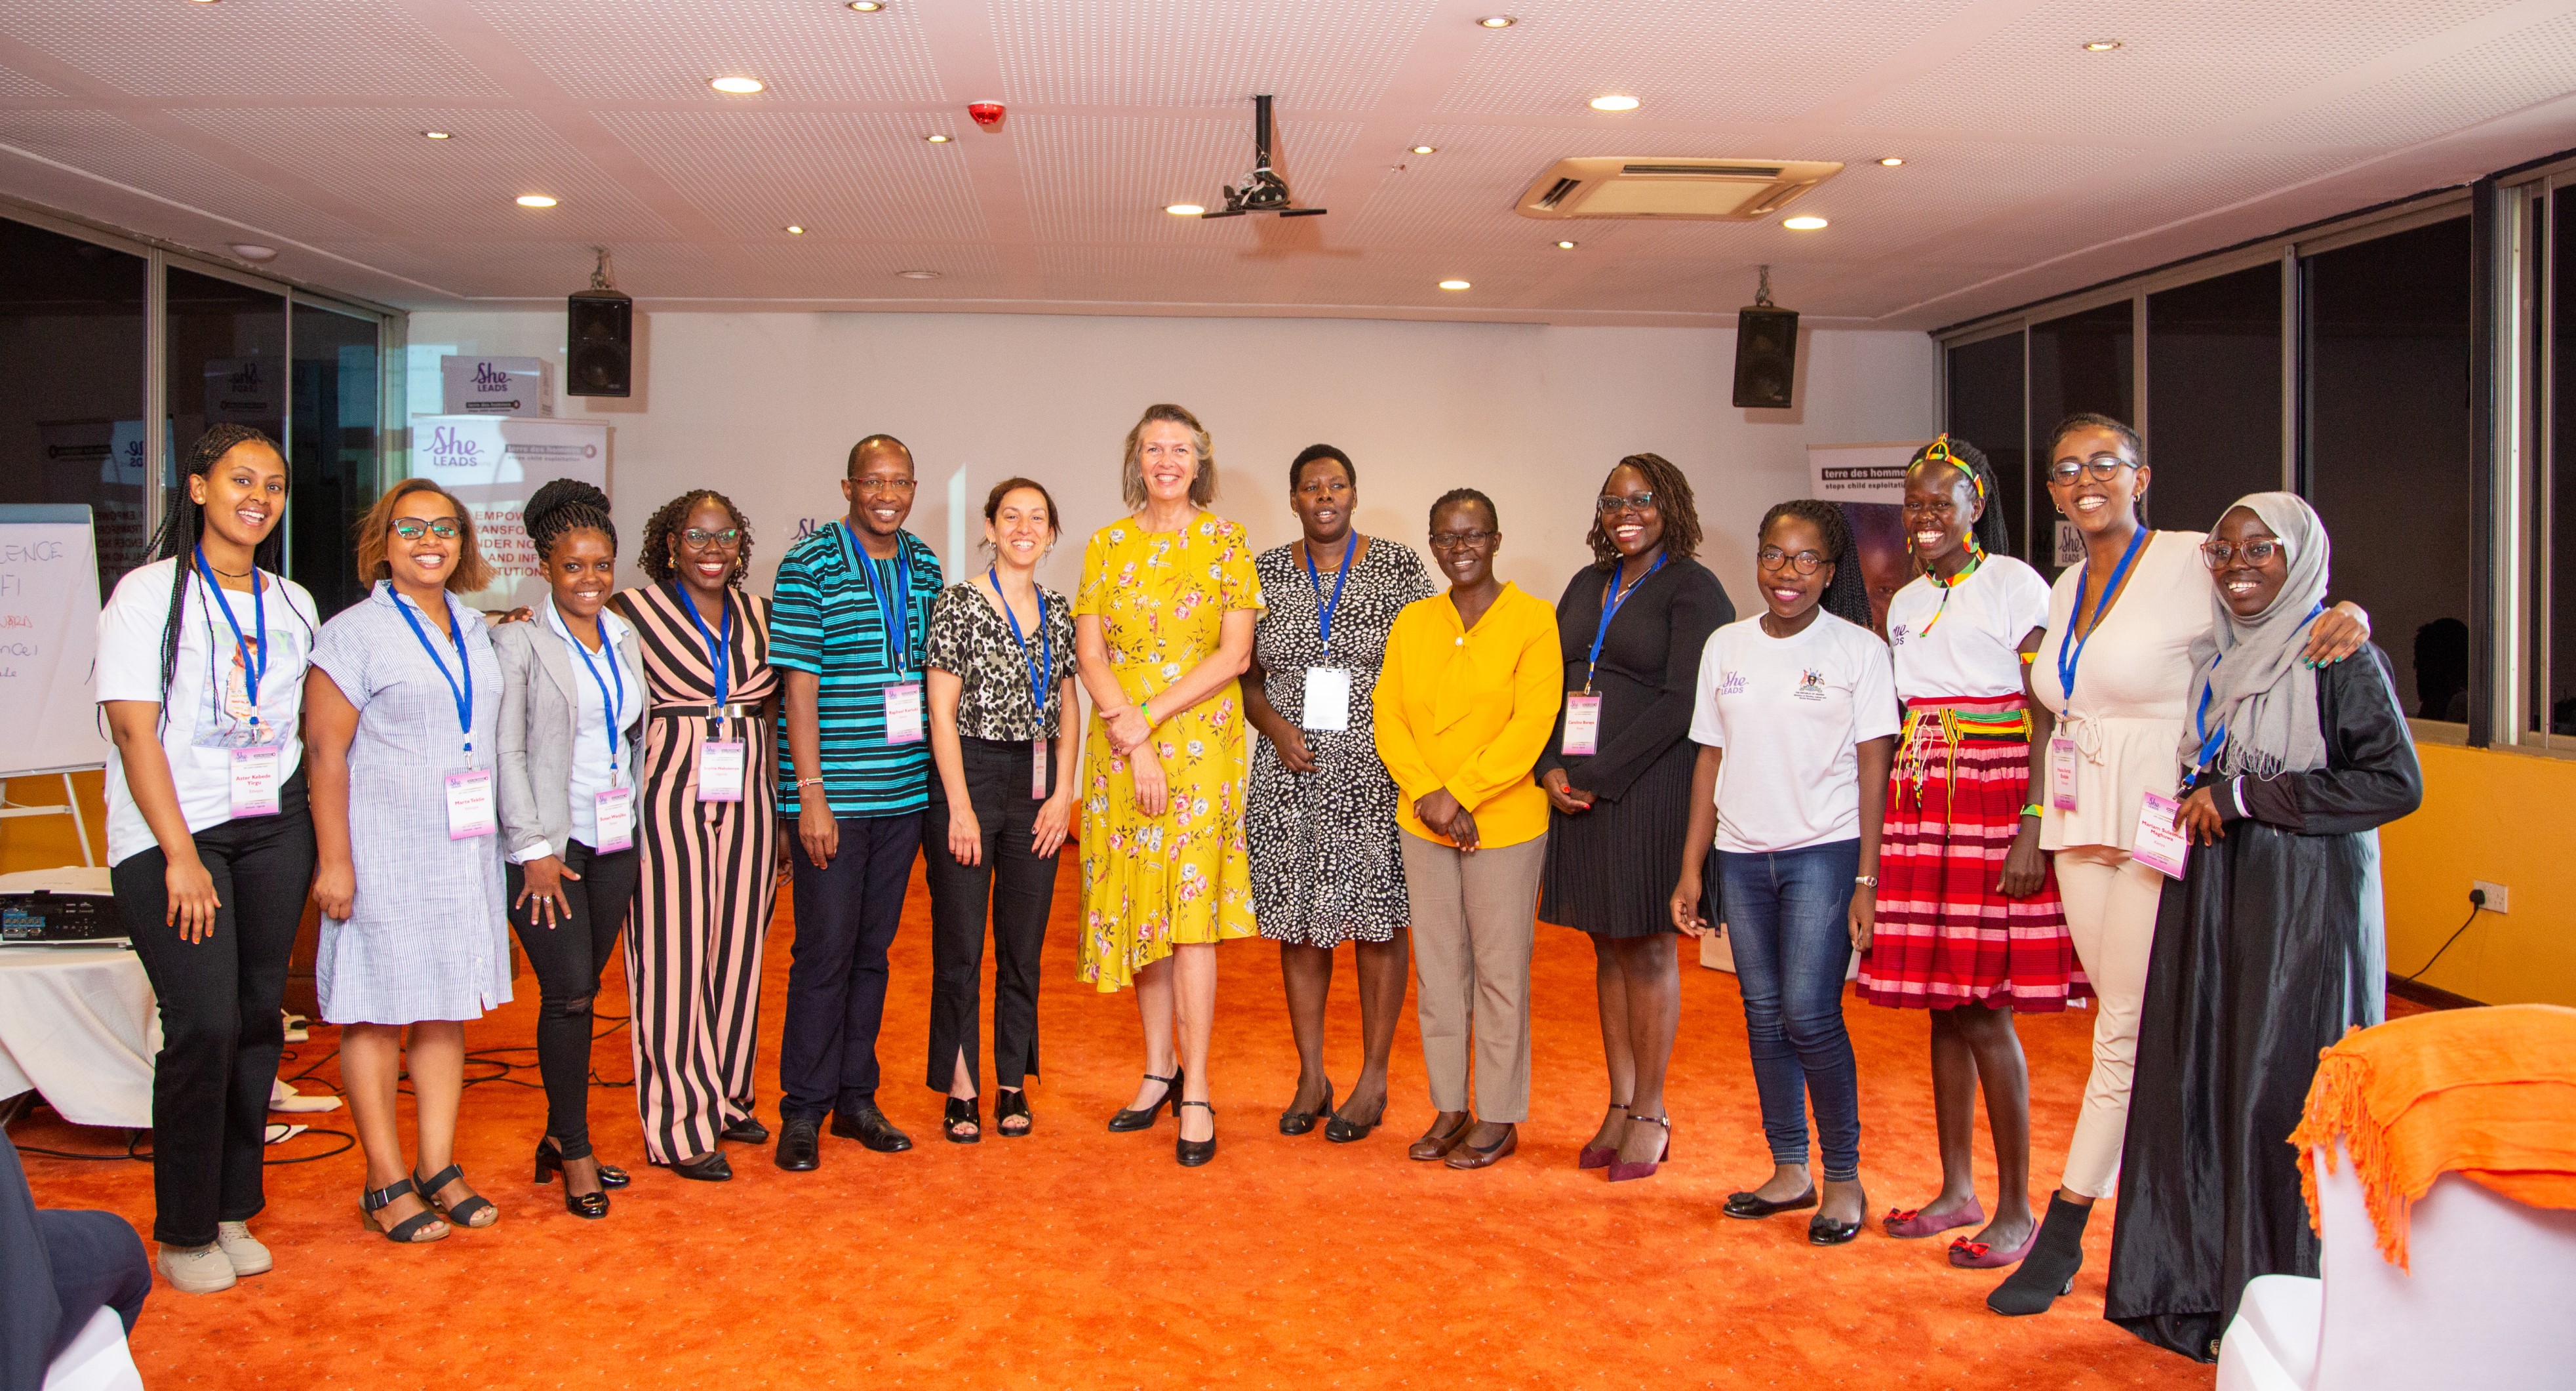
x=1788, y=918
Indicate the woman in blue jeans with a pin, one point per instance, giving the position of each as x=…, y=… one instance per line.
x=1805, y=699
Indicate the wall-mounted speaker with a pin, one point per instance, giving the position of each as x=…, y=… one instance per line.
x=1766, y=357
x=599, y=344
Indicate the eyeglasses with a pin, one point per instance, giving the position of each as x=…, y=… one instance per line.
x=884, y=487
x=1804, y=562
x=1460, y=540
x=699, y=538
x=2217, y=555
x=1639, y=503
x=2103, y=468
x=413, y=528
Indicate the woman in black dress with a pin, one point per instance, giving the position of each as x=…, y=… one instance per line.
x=1618, y=778
x=2268, y=948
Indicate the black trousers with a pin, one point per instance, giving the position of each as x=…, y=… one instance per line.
x=1019, y=886
x=220, y=1031
x=568, y=958
x=846, y=916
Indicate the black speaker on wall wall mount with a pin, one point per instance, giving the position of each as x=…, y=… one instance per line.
x=1766, y=352
x=599, y=337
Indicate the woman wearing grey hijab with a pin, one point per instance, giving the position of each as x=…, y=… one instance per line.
x=2268, y=948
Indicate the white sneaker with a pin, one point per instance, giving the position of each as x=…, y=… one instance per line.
x=244, y=1251
x=196, y=1269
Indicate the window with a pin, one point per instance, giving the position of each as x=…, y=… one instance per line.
x=71, y=350
x=2082, y=362
x=1983, y=385
x=227, y=357
x=2213, y=395
x=2554, y=219
x=2388, y=435
x=333, y=441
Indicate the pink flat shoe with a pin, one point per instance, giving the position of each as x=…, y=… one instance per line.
x=1910, y=1222
x=1977, y=1255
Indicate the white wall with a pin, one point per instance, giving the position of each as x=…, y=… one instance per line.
x=765, y=406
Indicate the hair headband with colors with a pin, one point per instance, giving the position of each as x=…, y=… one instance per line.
x=1938, y=452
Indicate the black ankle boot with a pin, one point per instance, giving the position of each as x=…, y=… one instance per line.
x=2049, y=1270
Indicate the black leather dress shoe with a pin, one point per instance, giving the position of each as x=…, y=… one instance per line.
x=869, y=1127
x=748, y=1131
x=798, y=1147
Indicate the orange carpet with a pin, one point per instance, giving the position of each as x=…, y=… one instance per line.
x=1081, y=1258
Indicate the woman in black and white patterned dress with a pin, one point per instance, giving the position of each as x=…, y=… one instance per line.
x=1320, y=806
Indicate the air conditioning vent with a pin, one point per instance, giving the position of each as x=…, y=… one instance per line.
x=1723, y=190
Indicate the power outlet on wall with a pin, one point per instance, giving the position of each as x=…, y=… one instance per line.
x=2496, y=894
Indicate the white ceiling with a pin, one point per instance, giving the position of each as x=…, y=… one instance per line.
x=2032, y=167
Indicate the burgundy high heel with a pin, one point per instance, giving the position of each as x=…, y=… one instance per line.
x=1621, y=1171
x=1599, y=1156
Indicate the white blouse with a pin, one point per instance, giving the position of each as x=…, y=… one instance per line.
x=2126, y=713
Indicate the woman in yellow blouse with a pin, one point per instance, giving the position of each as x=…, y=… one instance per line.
x=1162, y=626
x=1465, y=705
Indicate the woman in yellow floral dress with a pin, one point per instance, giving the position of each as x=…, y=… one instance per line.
x=1163, y=625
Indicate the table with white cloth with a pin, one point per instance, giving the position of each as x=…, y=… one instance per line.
x=79, y=1025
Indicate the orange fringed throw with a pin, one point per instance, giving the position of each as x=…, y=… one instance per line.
x=2486, y=1093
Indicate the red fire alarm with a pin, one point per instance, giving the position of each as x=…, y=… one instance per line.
x=987, y=114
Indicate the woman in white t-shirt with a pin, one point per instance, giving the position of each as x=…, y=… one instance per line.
x=201, y=658
x=1969, y=924
x=1796, y=720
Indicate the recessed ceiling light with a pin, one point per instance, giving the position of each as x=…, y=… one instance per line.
x=1426, y=149
x=1497, y=21
x=1891, y=161
x=1453, y=284
x=1565, y=246
x=866, y=6
x=437, y=135
x=252, y=251
x=1804, y=222
x=739, y=86
x=535, y=200
x=795, y=231
x=2101, y=45
x=936, y=139
x=1184, y=209
x=1614, y=103
x=918, y=274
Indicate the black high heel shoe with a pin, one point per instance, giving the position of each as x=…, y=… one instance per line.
x=963, y=1124
x=550, y=1162
x=1293, y=1122
x=1193, y=1153
x=710, y=1167
x=1127, y=1120
x=1009, y=1106
x=1342, y=1131
x=610, y=1176
x=473, y=1210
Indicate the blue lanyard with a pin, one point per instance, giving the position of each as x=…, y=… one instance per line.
x=2070, y=649
x=254, y=657
x=1040, y=677
x=894, y=612
x=719, y=646
x=615, y=709
x=1326, y=609
x=2211, y=740
x=464, y=694
x=1610, y=603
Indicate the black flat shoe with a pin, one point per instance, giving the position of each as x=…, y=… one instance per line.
x=799, y=1150
x=964, y=1122
x=1343, y=1132
x=1752, y=1208
x=710, y=1167
x=869, y=1127
x=1300, y=1122
x=1825, y=1231
x=747, y=1131
x=1012, y=1106
x=1193, y=1153
x=1127, y=1120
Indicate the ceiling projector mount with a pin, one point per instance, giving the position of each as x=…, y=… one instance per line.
x=1262, y=190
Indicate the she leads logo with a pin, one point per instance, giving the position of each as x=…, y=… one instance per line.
x=1811, y=684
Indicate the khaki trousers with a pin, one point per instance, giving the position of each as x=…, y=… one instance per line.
x=2111, y=913
x=1474, y=921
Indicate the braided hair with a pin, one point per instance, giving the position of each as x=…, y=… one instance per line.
x=562, y=507
x=667, y=522
x=1672, y=492
x=1847, y=598
x=1989, y=530
x=183, y=525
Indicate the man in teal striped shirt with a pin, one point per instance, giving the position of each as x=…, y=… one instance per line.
x=847, y=625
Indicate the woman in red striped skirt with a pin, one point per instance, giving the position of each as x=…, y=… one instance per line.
x=1969, y=924
x=710, y=837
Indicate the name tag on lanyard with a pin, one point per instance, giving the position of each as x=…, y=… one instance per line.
x=613, y=811
x=720, y=763
x=254, y=780
x=2157, y=845
x=1583, y=709
x=1582, y=725
x=1038, y=761
x=469, y=804
x=903, y=713
x=1327, y=706
x=2061, y=772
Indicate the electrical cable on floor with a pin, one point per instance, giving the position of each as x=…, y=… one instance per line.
x=2477, y=905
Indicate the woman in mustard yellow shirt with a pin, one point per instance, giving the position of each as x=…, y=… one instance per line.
x=1465, y=704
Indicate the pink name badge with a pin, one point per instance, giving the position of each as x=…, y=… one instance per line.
x=1582, y=725
x=613, y=814
x=2157, y=845
x=2061, y=772
x=469, y=805
x=903, y=713
x=720, y=770
x=254, y=780
x=1037, y=769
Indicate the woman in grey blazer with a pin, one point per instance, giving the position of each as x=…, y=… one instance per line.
x=572, y=702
